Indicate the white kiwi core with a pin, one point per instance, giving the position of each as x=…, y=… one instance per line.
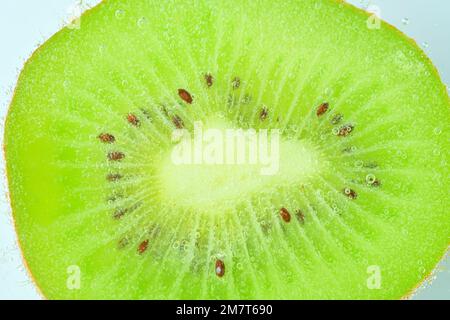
x=218, y=164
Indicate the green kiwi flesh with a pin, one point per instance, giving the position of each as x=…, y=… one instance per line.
x=363, y=177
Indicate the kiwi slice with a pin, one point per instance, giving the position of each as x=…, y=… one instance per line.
x=357, y=208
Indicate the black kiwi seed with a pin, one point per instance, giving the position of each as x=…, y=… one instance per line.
x=146, y=113
x=185, y=96
x=285, y=215
x=300, y=216
x=246, y=99
x=123, y=243
x=322, y=109
x=114, y=197
x=236, y=83
x=164, y=110
x=112, y=177
x=220, y=268
x=143, y=246
x=133, y=120
x=370, y=165
x=119, y=213
x=107, y=138
x=263, y=114
x=376, y=183
x=209, y=79
x=336, y=119
x=345, y=130
x=178, y=122
x=116, y=156
x=351, y=194
x=347, y=150
x=231, y=101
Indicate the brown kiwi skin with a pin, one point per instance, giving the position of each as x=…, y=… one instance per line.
x=88, y=12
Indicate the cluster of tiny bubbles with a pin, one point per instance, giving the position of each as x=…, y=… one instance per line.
x=405, y=21
x=142, y=22
x=184, y=245
x=359, y=163
x=335, y=207
x=120, y=14
x=370, y=178
x=401, y=154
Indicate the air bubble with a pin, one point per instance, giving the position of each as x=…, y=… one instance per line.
x=405, y=21
x=101, y=49
x=66, y=83
x=120, y=14
x=142, y=22
x=370, y=178
x=425, y=44
x=359, y=163
x=437, y=131
x=347, y=191
x=335, y=131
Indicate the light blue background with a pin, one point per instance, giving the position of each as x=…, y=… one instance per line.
x=24, y=24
